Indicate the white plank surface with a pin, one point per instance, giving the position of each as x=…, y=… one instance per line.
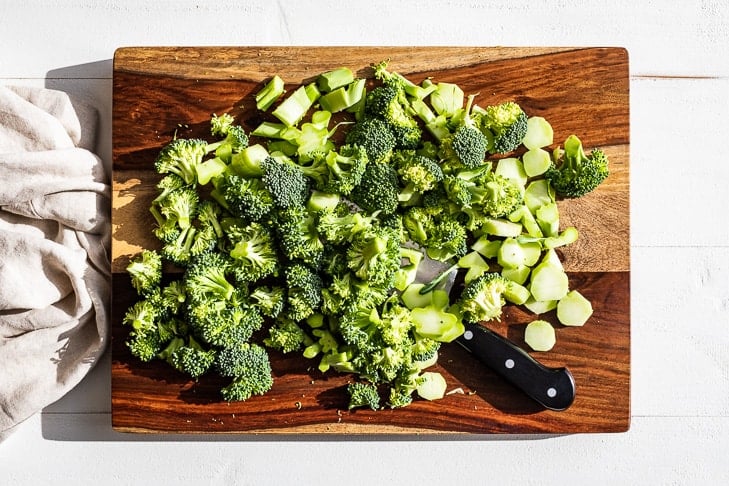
x=679, y=242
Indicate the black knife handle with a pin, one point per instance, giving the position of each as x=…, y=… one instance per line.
x=554, y=388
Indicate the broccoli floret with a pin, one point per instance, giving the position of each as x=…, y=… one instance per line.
x=389, y=103
x=374, y=255
x=286, y=336
x=418, y=174
x=253, y=254
x=143, y=316
x=378, y=190
x=424, y=349
x=181, y=157
x=188, y=244
x=467, y=144
x=219, y=124
x=235, y=140
x=286, y=182
x=362, y=394
x=482, y=299
x=249, y=366
x=224, y=323
x=145, y=271
x=246, y=197
x=297, y=235
x=174, y=296
x=375, y=136
x=144, y=345
x=188, y=357
x=340, y=224
x=345, y=168
x=448, y=239
x=166, y=185
x=484, y=191
x=304, y=291
x=507, y=124
x=180, y=206
x=269, y=300
x=206, y=278
x=575, y=173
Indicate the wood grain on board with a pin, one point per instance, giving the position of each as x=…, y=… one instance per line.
x=160, y=92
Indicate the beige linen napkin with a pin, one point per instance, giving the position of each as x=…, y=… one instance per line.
x=54, y=240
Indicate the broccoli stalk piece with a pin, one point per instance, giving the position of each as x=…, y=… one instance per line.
x=575, y=173
x=146, y=272
x=270, y=92
x=292, y=109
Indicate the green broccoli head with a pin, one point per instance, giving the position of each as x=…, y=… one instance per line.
x=389, y=103
x=249, y=366
x=145, y=271
x=253, y=253
x=181, y=157
x=270, y=301
x=507, y=123
x=144, y=345
x=298, y=237
x=341, y=223
x=304, y=291
x=219, y=124
x=180, y=206
x=206, y=278
x=418, y=174
x=363, y=394
x=344, y=169
x=575, y=173
x=482, y=299
x=246, y=197
x=374, y=255
x=378, y=190
x=286, y=182
x=375, y=136
x=286, y=336
x=188, y=357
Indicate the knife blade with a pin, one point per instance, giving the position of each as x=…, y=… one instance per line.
x=553, y=388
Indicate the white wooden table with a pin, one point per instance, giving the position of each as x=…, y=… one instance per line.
x=679, y=242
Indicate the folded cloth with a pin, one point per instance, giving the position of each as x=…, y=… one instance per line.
x=54, y=240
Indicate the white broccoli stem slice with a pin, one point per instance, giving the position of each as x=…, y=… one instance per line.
x=574, y=309
x=539, y=133
x=431, y=386
x=540, y=335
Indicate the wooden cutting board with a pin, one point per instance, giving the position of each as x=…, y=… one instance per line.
x=160, y=92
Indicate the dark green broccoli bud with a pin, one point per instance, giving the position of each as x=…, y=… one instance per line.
x=269, y=300
x=507, y=123
x=246, y=197
x=253, y=255
x=467, y=144
x=575, y=174
x=375, y=136
x=374, y=255
x=145, y=271
x=181, y=157
x=286, y=336
x=286, y=182
x=363, y=394
x=378, y=190
x=180, y=206
x=482, y=299
x=250, y=367
x=206, y=278
x=304, y=291
x=418, y=174
x=297, y=235
x=389, y=103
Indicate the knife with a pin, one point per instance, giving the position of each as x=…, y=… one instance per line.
x=553, y=388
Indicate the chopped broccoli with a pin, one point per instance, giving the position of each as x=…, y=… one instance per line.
x=206, y=278
x=181, y=157
x=286, y=336
x=389, y=103
x=298, y=237
x=269, y=300
x=362, y=394
x=483, y=190
x=340, y=224
x=167, y=184
x=482, y=299
x=270, y=92
x=418, y=174
x=249, y=366
x=507, y=124
x=374, y=255
x=180, y=206
x=253, y=253
x=220, y=124
x=345, y=169
x=188, y=357
x=145, y=271
x=378, y=190
x=467, y=145
x=286, y=182
x=304, y=291
x=575, y=173
x=246, y=197
x=375, y=136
